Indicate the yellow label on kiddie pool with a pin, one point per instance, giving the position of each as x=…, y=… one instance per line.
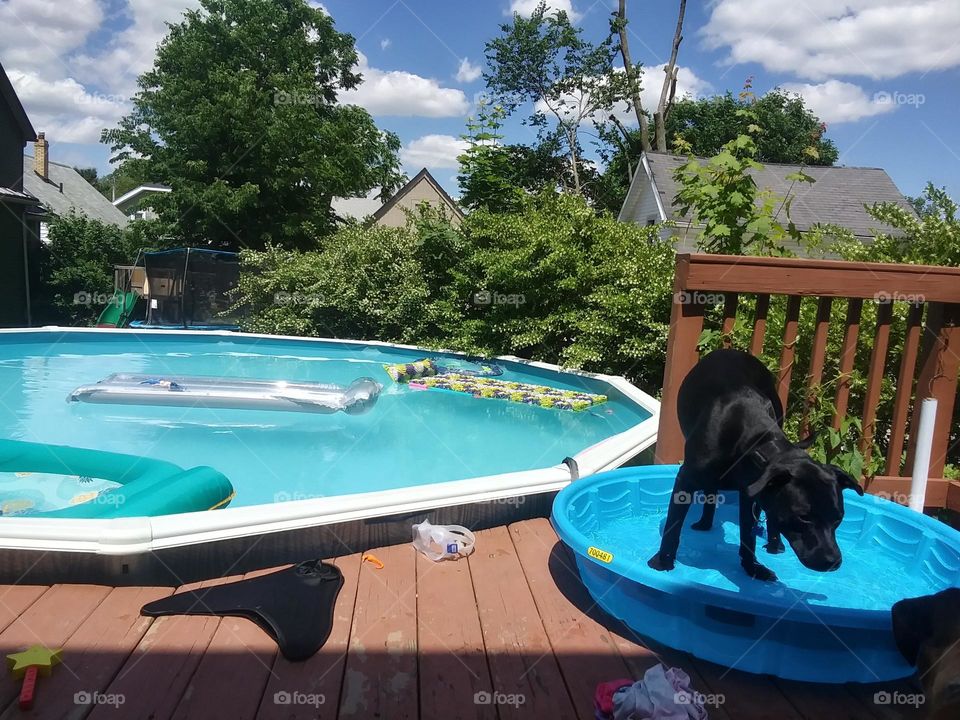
x=601, y=555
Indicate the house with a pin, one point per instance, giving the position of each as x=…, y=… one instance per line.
x=837, y=197
x=423, y=188
x=62, y=190
x=135, y=203
x=19, y=225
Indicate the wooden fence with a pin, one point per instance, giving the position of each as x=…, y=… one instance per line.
x=928, y=366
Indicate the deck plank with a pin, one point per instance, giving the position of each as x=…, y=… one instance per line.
x=380, y=677
x=518, y=650
x=49, y=621
x=583, y=647
x=231, y=677
x=153, y=679
x=453, y=664
x=15, y=599
x=94, y=654
x=745, y=695
x=322, y=675
x=820, y=701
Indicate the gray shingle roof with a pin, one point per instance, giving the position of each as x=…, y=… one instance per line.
x=837, y=197
x=78, y=195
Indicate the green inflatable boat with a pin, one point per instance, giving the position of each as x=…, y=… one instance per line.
x=56, y=481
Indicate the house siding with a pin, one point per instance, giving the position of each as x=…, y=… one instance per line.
x=421, y=192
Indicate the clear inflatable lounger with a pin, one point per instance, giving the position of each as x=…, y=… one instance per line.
x=230, y=393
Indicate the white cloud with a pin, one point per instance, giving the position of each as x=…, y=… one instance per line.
x=64, y=109
x=131, y=51
x=819, y=39
x=397, y=92
x=41, y=34
x=385, y=43
x=834, y=101
x=468, y=72
x=688, y=85
x=526, y=7
x=433, y=151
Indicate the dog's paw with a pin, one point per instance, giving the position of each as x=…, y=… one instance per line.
x=657, y=563
x=759, y=572
x=774, y=547
x=702, y=525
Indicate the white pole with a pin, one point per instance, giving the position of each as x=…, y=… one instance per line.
x=921, y=460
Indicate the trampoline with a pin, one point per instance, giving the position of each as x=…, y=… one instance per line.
x=188, y=288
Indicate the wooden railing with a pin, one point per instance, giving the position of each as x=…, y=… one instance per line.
x=931, y=348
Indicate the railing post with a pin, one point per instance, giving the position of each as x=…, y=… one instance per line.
x=938, y=379
x=686, y=324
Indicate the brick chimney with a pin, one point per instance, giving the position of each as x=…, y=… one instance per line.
x=41, y=161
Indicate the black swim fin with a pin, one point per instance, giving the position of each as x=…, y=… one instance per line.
x=294, y=606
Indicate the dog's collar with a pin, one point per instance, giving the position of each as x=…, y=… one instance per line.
x=760, y=456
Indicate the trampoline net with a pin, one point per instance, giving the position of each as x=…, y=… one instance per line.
x=188, y=287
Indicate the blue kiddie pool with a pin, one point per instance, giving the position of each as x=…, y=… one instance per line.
x=820, y=627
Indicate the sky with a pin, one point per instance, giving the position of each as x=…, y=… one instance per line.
x=883, y=74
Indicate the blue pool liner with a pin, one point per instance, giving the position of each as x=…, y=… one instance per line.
x=819, y=627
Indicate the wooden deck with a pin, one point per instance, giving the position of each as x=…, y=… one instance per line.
x=415, y=639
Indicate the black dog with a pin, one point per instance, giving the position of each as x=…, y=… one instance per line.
x=927, y=632
x=732, y=420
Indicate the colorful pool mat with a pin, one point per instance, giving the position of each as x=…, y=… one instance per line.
x=526, y=393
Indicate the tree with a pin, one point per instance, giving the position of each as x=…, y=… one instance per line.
x=544, y=60
x=791, y=134
x=668, y=89
x=789, y=127
x=88, y=173
x=239, y=116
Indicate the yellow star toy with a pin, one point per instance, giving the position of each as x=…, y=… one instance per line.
x=27, y=665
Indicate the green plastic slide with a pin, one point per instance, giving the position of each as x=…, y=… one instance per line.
x=118, y=309
x=138, y=486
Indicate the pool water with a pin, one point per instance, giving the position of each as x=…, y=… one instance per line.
x=410, y=437
x=711, y=559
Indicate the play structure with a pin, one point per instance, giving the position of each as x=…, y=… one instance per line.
x=230, y=393
x=188, y=288
x=97, y=484
x=479, y=379
x=820, y=627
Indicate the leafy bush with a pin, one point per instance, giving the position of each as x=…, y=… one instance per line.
x=553, y=281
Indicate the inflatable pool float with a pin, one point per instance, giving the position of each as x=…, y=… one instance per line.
x=231, y=393
x=111, y=485
x=526, y=393
x=405, y=372
x=819, y=627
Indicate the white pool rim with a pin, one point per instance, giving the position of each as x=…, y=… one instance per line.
x=126, y=536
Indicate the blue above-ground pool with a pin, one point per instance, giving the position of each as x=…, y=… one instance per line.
x=820, y=627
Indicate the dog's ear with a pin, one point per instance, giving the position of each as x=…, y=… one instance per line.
x=846, y=481
x=807, y=441
x=912, y=625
